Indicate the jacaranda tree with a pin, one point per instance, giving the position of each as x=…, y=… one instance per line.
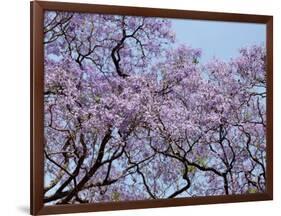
x=130, y=115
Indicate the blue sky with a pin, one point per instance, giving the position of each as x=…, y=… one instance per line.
x=216, y=38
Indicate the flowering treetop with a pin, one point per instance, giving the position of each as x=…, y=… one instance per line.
x=129, y=115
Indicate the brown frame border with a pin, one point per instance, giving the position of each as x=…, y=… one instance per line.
x=37, y=115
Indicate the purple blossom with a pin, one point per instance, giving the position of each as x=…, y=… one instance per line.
x=139, y=116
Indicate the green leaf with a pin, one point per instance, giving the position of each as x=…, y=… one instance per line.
x=115, y=196
x=191, y=169
x=201, y=161
x=252, y=190
x=97, y=99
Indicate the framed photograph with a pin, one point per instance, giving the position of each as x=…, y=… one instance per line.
x=142, y=108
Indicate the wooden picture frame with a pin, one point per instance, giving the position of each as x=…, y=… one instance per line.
x=37, y=107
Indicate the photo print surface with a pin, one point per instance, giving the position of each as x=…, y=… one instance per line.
x=142, y=108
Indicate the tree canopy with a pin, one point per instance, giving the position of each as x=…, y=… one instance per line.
x=129, y=115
